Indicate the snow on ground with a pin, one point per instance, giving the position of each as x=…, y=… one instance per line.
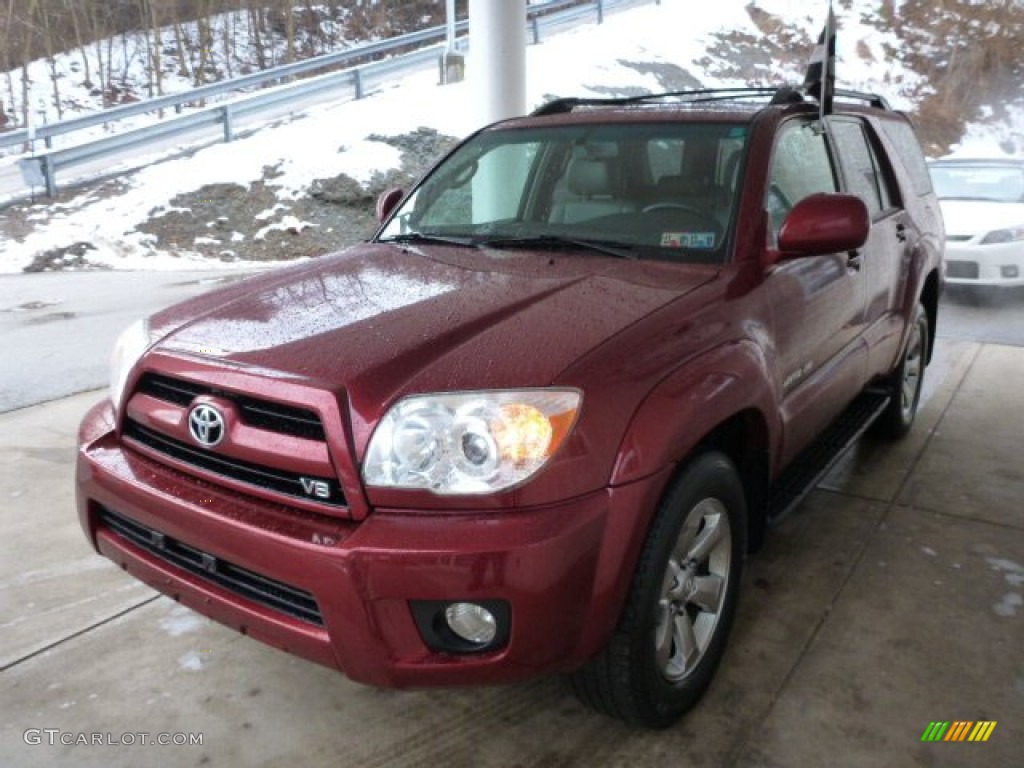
x=984, y=140
x=333, y=139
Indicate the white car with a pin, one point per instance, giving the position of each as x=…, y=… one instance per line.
x=983, y=206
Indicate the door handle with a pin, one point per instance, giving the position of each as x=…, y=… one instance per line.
x=853, y=261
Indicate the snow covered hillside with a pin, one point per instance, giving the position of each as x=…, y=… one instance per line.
x=306, y=188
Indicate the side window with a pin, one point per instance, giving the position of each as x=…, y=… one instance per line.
x=901, y=134
x=800, y=167
x=860, y=168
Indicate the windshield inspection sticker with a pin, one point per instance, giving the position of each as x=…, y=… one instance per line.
x=688, y=239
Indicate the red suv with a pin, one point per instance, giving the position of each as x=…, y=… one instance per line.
x=535, y=424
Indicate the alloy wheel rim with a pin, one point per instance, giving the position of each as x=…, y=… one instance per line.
x=912, y=366
x=693, y=590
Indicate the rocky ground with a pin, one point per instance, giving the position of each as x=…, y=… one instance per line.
x=230, y=222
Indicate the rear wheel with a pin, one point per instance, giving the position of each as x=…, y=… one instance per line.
x=677, y=617
x=906, y=382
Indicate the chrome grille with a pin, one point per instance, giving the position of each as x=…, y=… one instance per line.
x=264, y=414
x=962, y=269
x=279, y=480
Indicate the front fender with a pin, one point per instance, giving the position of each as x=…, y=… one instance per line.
x=686, y=406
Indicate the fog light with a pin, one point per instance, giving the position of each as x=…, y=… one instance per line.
x=1010, y=271
x=471, y=622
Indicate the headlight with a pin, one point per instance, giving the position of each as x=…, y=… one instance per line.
x=1009, y=235
x=128, y=348
x=469, y=442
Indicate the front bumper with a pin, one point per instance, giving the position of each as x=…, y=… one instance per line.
x=1000, y=264
x=563, y=570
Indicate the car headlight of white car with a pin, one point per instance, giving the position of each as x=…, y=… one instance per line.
x=469, y=442
x=1008, y=235
x=129, y=347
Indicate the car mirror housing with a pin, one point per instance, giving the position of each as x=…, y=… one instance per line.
x=824, y=223
x=387, y=202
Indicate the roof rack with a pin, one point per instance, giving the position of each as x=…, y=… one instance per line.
x=873, y=99
x=786, y=94
x=568, y=104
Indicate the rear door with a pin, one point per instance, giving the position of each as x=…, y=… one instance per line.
x=886, y=254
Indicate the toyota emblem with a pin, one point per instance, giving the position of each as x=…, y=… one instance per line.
x=206, y=425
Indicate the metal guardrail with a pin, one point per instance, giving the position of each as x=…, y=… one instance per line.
x=41, y=169
x=272, y=75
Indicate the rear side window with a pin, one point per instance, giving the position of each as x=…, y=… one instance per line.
x=901, y=134
x=860, y=166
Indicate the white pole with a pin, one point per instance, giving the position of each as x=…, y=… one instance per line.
x=497, y=58
x=449, y=26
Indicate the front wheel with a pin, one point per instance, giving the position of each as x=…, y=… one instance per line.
x=676, y=620
x=907, y=381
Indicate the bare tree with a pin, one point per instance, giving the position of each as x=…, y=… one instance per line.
x=26, y=57
x=96, y=29
x=74, y=9
x=227, y=37
x=256, y=34
x=156, y=72
x=182, y=44
x=51, y=46
x=205, y=42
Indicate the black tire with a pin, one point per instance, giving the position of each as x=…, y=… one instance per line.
x=906, y=382
x=703, y=514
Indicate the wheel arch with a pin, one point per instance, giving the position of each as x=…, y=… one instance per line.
x=721, y=401
x=744, y=438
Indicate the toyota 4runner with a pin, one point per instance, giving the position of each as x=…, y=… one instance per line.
x=535, y=424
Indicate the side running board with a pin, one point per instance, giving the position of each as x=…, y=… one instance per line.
x=803, y=474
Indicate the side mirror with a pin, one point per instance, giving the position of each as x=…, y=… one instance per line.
x=821, y=224
x=387, y=202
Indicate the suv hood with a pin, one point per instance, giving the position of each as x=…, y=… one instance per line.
x=384, y=320
x=975, y=217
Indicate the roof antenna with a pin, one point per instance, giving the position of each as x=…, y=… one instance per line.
x=820, y=79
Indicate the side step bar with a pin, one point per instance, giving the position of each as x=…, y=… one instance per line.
x=807, y=469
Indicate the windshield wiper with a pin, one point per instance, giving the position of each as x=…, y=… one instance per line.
x=617, y=249
x=423, y=237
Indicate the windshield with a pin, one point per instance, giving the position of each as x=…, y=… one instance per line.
x=657, y=190
x=997, y=183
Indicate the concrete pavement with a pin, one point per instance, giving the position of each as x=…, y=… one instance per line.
x=890, y=599
x=58, y=327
